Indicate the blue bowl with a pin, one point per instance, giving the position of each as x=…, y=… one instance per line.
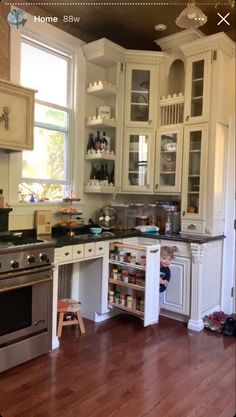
x=95, y=230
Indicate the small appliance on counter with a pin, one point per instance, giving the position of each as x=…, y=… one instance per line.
x=4, y=216
x=107, y=218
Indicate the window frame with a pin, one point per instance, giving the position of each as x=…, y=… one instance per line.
x=56, y=40
x=68, y=110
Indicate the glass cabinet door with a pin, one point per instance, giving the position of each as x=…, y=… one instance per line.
x=194, y=177
x=139, y=85
x=138, y=156
x=169, y=161
x=198, y=88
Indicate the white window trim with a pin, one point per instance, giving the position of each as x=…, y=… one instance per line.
x=60, y=40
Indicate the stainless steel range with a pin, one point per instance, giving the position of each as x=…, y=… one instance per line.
x=25, y=298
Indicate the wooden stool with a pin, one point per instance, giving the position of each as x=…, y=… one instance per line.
x=65, y=306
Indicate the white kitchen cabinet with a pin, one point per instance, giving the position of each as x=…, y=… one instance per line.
x=168, y=160
x=177, y=294
x=103, y=116
x=134, y=287
x=140, y=95
x=16, y=117
x=138, y=161
x=194, y=178
x=197, y=87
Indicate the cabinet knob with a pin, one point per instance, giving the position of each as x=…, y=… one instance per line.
x=90, y=250
x=149, y=122
x=187, y=117
x=156, y=186
x=100, y=248
x=78, y=251
x=183, y=213
x=67, y=253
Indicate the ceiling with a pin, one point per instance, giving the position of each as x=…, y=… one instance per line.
x=132, y=26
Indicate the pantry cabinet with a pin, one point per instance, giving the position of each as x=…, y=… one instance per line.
x=177, y=295
x=133, y=284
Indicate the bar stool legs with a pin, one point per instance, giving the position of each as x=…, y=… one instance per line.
x=66, y=306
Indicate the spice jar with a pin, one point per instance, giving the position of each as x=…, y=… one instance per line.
x=122, y=257
x=127, y=256
x=134, y=302
x=111, y=296
x=133, y=258
x=143, y=260
x=117, y=297
x=129, y=300
x=112, y=254
x=122, y=299
x=115, y=273
x=116, y=254
x=125, y=276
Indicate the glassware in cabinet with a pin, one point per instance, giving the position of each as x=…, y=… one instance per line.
x=194, y=174
x=140, y=84
x=169, y=160
x=198, y=88
x=138, y=160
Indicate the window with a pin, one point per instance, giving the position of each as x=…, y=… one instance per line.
x=45, y=170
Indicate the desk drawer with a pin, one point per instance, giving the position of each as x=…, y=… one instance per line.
x=100, y=248
x=63, y=254
x=183, y=247
x=89, y=249
x=78, y=251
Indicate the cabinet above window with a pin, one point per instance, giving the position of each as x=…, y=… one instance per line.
x=16, y=117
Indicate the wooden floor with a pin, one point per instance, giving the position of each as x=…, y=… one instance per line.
x=120, y=369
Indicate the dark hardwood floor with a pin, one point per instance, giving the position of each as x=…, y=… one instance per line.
x=120, y=369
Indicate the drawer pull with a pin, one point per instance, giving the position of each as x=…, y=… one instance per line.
x=90, y=250
x=100, y=248
x=79, y=251
x=154, y=250
x=191, y=227
x=67, y=253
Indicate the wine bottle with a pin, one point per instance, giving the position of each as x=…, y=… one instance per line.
x=91, y=144
x=103, y=142
x=106, y=173
x=93, y=173
x=98, y=141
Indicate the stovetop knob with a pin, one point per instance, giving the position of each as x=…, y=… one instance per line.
x=44, y=257
x=14, y=264
x=30, y=259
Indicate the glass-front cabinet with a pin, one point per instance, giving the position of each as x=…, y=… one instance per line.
x=169, y=160
x=138, y=160
x=198, y=88
x=139, y=103
x=194, y=176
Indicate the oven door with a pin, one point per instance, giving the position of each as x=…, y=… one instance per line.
x=25, y=304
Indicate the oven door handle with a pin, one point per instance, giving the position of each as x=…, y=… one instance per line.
x=26, y=272
x=26, y=284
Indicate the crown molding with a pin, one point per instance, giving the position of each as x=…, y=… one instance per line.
x=179, y=39
x=210, y=43
x=103, y=52
x=145, y=57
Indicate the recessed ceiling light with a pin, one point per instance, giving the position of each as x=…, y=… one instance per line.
x=160, y=27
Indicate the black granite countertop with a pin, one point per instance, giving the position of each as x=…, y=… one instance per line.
x=64, y=240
